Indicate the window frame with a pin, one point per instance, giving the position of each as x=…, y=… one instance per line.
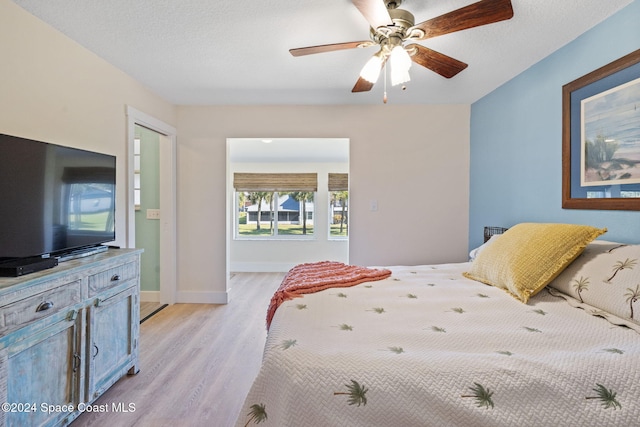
x=275, y=218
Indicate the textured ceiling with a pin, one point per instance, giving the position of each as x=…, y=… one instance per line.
x=204, y=52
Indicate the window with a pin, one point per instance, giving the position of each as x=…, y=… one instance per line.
x=338, y=205
x=136, y=173
x=275, y=204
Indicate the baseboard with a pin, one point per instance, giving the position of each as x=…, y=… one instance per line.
x=202, y=297
x=150, y=296
x=262, y=267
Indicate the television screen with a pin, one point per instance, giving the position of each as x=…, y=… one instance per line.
x=53, y=198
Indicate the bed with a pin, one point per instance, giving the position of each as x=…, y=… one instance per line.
x=445, y=345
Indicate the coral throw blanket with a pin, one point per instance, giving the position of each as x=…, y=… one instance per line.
x=317, y=276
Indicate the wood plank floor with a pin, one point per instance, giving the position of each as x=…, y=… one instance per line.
x=197, y=361
x=148, y=309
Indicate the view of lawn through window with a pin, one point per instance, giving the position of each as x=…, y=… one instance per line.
x=338, y=220
x=283, y=204
x=288, y=213
x=275, y=213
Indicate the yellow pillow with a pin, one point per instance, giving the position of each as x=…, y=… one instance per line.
x=530, y=255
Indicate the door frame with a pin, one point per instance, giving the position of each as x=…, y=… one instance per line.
x=167, y=184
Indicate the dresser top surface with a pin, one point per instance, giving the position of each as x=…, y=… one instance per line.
x=10, y=284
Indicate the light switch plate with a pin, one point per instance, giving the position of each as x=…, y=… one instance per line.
x=153, y=213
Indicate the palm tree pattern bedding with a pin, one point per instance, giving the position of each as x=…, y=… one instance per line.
x=428, y=347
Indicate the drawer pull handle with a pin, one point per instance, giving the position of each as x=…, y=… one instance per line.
x=76, y=362
x=97, y=350
x=115, y=277
x=45, y=305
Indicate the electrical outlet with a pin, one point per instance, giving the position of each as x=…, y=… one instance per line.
x=153, y=213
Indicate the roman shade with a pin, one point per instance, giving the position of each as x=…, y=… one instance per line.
x=338, y=182
x=275, y=181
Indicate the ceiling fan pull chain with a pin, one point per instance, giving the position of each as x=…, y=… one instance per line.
x=384, y=98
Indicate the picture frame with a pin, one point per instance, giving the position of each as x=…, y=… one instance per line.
x=601, y=137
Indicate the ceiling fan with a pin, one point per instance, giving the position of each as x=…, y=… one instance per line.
x=394, y=31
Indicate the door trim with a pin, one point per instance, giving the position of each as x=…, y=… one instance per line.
x=168, y=149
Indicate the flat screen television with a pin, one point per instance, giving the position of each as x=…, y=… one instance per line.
x=53, y=199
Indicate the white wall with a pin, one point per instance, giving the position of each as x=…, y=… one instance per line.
x=260, y=254
x=414, y=160
x=54, y=90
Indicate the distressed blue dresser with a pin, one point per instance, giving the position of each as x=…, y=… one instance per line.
x=66, y=335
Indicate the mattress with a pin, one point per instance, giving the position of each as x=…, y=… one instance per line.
x=429, y=347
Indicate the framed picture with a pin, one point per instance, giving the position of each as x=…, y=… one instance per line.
x=601, y=138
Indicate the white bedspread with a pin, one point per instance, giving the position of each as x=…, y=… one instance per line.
x=428, y=347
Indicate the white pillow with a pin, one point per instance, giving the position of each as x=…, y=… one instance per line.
x=475, y=252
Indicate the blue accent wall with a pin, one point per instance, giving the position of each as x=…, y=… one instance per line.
x=516, y=138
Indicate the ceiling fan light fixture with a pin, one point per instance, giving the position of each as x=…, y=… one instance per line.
x=400, y=62
x=371, y=69
x=391, y=27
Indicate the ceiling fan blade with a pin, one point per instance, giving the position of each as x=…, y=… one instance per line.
x=438, y=62
x=374, y=11
x=480, y=13
x=364, y=85
x=301, y=51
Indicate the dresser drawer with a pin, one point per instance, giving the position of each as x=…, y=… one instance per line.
x=23, y=312
x=112, y=277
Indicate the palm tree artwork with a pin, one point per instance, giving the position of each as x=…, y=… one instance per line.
x=257, y=414
x=287, y=344
x=396, y=350
x=356, y=392
x=621, y=265
x=632, y=296
x=580, y=285
x=606, y=397
x=481, y=395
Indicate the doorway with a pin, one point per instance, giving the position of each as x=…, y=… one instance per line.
x=146, y=191
x=274, y=231
x=164, y=216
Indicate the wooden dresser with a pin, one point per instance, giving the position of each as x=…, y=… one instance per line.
x=66, y=335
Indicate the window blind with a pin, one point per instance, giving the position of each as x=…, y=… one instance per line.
x=338, y=182
x=306, y=182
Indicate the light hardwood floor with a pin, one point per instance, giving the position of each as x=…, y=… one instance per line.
x=148, y=309
x=197, y=361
